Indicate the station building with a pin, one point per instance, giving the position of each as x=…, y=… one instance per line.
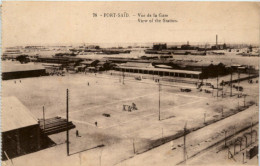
x=21, y=133
x=12, y=70
x=148, y=68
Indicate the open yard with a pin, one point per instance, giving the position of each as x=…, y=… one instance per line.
x=91, y=96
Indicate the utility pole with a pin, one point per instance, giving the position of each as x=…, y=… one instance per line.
x=244, y=100
x=119, y=75
x=100, y=157
x=231, y=84
x=217, y=86
x=243, y=157
x=184, y=143
x=123, y=77
x=238, y=81
x=204, y=118
x=234, y=143
x=159, y=100
x=225, y=138
x=238, y=76
x=222, y=88
x=134, y=145
x=251, y=131
x=248, y=71
x=67, y=114
x=43, y=118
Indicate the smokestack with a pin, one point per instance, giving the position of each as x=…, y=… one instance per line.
x=216, y=41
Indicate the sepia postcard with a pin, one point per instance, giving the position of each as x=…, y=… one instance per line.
x=129, y=83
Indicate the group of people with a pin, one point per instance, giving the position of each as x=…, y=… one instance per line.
x=130, y=108
x=19, y=80
x=251, y=81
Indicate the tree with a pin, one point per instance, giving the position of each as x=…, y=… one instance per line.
x=23, y=58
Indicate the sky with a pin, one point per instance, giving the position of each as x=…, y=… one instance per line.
x=41, y=23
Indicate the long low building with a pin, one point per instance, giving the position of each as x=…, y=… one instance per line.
x=15, y=71
x=160, y=71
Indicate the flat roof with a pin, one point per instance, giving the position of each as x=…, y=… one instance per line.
x=52, y=64
x=15, y=115
x=136, y=64
x=87, y=62
x=16, y=67
x=164, y=66
x=164, y=70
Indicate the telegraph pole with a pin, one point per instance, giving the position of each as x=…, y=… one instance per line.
x=159, y=100
x=184, y=143
x=238, y=89
x=248, y=71
x=222, y=111
x=225, y=138
x=119, y=75
x=134, y=145
x=217, y=86
x=244, y=100
x=222, y=88
x=67, y=114
x=251, y=133
x=100, y=157
x=123, y=77
x=238, y=77
x=231, y=84
x=43, y=118
x=204, y=118
x=243, y=157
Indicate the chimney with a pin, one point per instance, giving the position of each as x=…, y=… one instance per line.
x=216, y=41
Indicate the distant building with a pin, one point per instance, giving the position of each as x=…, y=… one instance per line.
x=188, y=47
x=219, y=47
x=16, y=71
x=159, y=46
x=103, y=65
x=89, y=63
x=148, y=68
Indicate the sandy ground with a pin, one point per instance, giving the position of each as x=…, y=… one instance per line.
x=219, y=154
x=162, y=155
x=195, y=142
x=123, y=132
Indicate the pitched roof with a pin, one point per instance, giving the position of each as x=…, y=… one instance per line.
x=15, y=115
